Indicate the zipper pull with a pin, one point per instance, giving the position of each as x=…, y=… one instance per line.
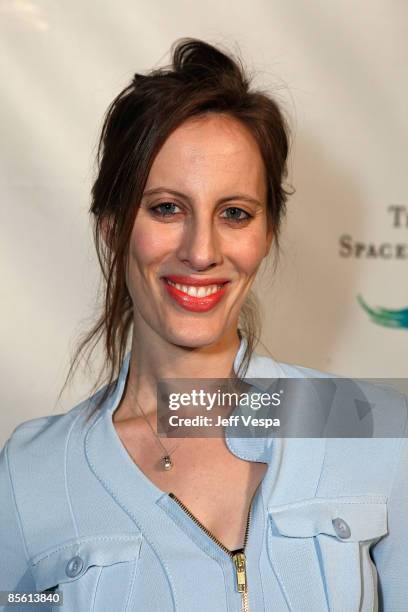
x=239, y=561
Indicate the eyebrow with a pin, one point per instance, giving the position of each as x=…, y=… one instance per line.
x=179, y=194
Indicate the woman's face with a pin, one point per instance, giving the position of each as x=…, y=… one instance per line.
x=202, y=216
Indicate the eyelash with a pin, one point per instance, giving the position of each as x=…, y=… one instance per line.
x=154, y=210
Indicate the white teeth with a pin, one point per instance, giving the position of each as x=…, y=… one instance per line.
x=196, y=291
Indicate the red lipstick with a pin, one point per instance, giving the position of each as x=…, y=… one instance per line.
x=190, y=302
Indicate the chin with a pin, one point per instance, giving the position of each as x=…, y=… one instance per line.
x=193, y=338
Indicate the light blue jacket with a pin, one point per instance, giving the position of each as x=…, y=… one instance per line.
x=328, y=529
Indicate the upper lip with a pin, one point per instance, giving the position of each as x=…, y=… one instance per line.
x=196, y=282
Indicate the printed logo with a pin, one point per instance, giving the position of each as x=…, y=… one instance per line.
x=385, y=316
x=353, y=248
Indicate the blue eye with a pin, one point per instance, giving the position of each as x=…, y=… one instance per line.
x=166, y=206
x=237, y=211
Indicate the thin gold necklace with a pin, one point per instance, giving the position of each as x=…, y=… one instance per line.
x=166, y=461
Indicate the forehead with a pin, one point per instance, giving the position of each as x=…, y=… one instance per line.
x=215, y=147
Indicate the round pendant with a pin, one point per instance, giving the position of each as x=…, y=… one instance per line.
x=167, y=463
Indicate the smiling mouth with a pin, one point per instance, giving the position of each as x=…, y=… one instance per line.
x=196, y=291
x=195, y=298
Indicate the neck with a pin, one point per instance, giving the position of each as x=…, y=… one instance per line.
x=154, y=358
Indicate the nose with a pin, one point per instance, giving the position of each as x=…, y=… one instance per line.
x=200, y=246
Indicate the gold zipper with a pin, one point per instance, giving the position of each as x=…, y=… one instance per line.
x=238, y=556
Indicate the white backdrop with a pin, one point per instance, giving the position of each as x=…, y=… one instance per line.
x=339, y=68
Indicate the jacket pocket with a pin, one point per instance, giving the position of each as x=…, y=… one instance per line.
x=92, y=572
x=328, y=541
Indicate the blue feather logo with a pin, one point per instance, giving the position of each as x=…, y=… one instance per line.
x=384, y=316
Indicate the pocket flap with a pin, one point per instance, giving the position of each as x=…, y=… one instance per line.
x=350, y=519
x=71, y=559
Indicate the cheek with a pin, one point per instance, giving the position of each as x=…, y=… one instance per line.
x=248, y=253
x=147, y=246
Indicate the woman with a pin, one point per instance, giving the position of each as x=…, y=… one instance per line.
x=187, y=204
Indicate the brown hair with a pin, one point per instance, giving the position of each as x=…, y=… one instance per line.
x=200, y=79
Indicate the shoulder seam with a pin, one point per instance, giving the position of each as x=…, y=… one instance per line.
x=19, y=522
x=67, y=491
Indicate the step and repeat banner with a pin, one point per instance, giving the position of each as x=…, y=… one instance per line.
x=338, y=299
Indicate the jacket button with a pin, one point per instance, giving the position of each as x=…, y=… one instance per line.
x=74, y=567
x=341, y=528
